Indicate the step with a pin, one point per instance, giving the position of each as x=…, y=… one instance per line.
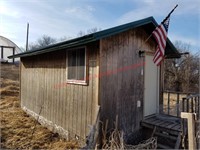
x=164, y=146
x=168, y=130
x=166, y=136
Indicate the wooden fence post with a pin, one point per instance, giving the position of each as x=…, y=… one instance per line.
x=191, y=129
x=168, y=103
x=177, y=106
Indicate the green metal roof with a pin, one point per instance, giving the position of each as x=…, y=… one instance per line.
x=148, y=23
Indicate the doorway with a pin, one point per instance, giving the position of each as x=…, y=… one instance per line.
x=151, y=84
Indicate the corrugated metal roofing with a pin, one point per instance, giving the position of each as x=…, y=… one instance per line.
x=149, y=22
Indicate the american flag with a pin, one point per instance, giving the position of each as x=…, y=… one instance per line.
x=160, y=34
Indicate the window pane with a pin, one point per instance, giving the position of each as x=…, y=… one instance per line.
x=71, y=64
x=80, y=64
x=76, y=64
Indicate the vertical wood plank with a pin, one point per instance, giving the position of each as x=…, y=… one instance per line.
x=120, y=89
x=50, y=92
x=103, y=78
x=71, y=108
x=60, y=79
x=74, y=109
x=183, y=105
x=94, y=85
x=168, y=103
x=84, y=113
x=177, y=103
x=192, y=106
x=188, y=104
x=79, y=110
x=89, y=110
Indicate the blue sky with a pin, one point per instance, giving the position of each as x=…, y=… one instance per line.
x=59, y=18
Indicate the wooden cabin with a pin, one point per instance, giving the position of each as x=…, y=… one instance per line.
x=66, y=83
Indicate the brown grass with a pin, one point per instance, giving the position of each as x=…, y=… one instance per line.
x=16, y=126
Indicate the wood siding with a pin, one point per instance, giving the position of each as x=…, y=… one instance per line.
x=43, y=86
x=122, y=78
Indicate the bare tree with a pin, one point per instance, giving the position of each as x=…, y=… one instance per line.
x=93, y=30
x=46, y=40
x=64, y=38
x=89, y=31
x=182, y=74
x=32, y=46
x=81, y=33
x=43, y=41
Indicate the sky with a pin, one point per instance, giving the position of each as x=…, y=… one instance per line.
x=66, y=18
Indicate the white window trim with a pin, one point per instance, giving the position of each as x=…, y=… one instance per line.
x=73, y=81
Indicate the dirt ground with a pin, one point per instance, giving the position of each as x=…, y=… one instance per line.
x=19, y=130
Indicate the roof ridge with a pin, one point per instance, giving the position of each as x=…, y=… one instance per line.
x=93, y=37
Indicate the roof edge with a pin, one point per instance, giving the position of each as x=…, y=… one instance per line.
x=94, y=37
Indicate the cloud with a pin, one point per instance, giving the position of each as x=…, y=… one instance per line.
x=67, y=18
x=7, y=11
x=80, y=9
x=188, y=7
x=84, y=13
x=144, y=9
x=191, y=41
x=156, y=8
x=56, y=19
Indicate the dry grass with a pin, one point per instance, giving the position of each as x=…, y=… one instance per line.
x=114, y=139
x=16, y=126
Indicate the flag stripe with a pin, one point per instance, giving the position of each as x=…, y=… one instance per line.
x=158, y=59
x=158, y=41
x=164, y=32
x=156, y=55
x=160, y=35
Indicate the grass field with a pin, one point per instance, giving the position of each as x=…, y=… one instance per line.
x=19, y=130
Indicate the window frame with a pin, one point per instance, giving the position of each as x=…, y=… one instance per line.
x=75, y=81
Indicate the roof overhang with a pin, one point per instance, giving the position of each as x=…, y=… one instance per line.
x=149, y=23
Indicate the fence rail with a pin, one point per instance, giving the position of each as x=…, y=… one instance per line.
x=176, y=102
x=191, y=104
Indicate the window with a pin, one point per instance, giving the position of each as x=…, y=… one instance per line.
x=76, y=66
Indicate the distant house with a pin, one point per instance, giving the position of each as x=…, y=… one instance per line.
x=65, y=83
x=8, y=48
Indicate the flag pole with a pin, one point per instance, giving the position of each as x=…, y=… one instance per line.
x=162, y=21
x=170, y=13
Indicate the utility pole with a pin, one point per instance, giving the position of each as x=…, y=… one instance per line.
x=27, y=33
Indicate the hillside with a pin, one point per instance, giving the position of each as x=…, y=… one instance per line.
x=19, y=130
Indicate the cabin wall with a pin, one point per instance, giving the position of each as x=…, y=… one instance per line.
x=122, y=78
x=65, y=108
